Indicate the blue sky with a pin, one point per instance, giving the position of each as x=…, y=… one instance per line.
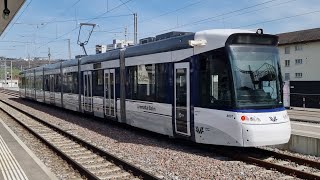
x=47, y=24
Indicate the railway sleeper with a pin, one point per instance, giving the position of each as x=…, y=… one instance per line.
x=124, y=175
x=107, y=170
x=79, y=153
x=67, y=144
x=85, y=157
x=98, y=166
x=63, y=142
x=75, y=150
x=64, y=148
x=91, y=161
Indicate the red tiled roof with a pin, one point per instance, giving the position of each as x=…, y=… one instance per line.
x=299, y=36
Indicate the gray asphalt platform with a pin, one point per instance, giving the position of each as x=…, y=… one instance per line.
x=17, y=161
x=305, y=136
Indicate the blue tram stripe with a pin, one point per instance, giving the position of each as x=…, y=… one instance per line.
x=259, y=110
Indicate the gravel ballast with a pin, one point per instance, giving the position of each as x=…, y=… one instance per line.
x=57, y=165
x=160, y=157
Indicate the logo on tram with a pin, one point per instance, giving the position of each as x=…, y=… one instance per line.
x=273, y=119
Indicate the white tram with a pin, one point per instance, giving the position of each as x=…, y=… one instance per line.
x=220, y=87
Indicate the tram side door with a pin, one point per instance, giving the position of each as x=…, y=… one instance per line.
x=182, y=98
x=109, y=93
x=51, y=88
x=87, y=91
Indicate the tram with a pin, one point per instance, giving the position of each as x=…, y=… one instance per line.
x=219, y=86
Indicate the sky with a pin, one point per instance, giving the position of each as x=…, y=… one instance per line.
x=40, y=24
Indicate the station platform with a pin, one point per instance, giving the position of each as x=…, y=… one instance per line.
x=17, y=161
x=305, y=131
x=304, y=114
x=11, y=88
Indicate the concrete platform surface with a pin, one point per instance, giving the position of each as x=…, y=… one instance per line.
x=11, y=88
x=305, y=129
x=305, y=138
x=17, y=161
x=304, y=115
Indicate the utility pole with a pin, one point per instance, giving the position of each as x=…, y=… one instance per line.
x=49, y=55
x=69, y=49
x=135, y=19
x=11, y=73
x=5, y=72
x=125, y=35
x=29, y=61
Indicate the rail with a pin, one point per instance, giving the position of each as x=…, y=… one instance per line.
x=260, y=157
x=134, y=170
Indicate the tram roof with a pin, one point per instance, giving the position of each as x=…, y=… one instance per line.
x=215, y=37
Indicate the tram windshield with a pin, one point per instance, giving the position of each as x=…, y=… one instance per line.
x=256, y=75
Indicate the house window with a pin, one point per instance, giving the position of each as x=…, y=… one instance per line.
x=287, y=63
x=287, y=50
x=298, y=75
x=298, y=61
x=298, y=47
x=287, y=76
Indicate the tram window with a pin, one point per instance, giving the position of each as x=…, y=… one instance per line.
x=70, y=83
x=147, y=82
x=38, y=82
x=46, y=83
x=161, y=82
x=132, y=82
x=97, y=82
x=215, y=78
x=23, y=82
x=67, y=79
x=57, y=85
x=74, y=83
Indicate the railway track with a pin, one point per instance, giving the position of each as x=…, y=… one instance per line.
x=10, y=93
x=287, y=164
x=89, y=160
x=284, y=163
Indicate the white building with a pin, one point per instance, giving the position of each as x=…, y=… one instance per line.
x=300, y=63
x=9, y=83
x=115, y=45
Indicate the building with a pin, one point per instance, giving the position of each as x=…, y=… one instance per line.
x=9, y=83
x=300, y=62
x=115, y=45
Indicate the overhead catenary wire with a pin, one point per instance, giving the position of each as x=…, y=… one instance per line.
x=247, y=12
x=127, y=7
x=97, y=17
x=198, y=21
x=73, y=5
x=278, y=19
x=155, y=17
x=214, y=17
x=70, y=20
